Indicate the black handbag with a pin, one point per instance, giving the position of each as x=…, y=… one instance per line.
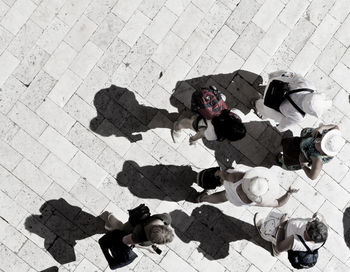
x=278, y=91
x=139, y=214
x=303, y=259
x=115, y=251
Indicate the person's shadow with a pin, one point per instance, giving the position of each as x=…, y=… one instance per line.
x=61, y=225
x=240, y=89
x=120, y=114
x=214, y=231
x=158, y=181
x=346, y=226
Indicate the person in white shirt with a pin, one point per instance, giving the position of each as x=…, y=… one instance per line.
x=256, y=187
x=313, y=231
x=308, y=101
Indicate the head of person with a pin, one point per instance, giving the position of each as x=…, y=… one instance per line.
x=229, y=126
x=316, y=104
x=331, y=142
x=317, y=231
x=160, y=234
x=260, y=185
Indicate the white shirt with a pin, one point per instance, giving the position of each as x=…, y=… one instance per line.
x=290, y=113
x=297, y=226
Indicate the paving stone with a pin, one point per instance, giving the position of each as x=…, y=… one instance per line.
x=97, y=11
x=65, y=88
x=267, y=13
x=60, y=60
x=58, y=145
x=256, y=61
x=330, y=56
x=71, y=11
x=11, y=237
x=9, y=158
x=25, y=39
x=324, y=32
x=10, y=210
x=59, y=172
x=292, y=12
x=305, y=58
x=10, y=185
x=133, y=28
x=10, y=63
x=151, y=8
x=55, y=116
x=242, y=15
x=188, y=21
x=342, y=35
x=46, y=12
x=273, y=38
x=248, y=40
x=29, y=147
x=5, y=38
x=107, y=30
x=318, y=10
x=18, y=15
x=172, y=262
x=36, y=93
x=11, y=262
x=340, y=10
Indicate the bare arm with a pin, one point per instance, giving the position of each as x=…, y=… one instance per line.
x=279, y=202
x=127, y=239
x=283, y=243
x=197, y=136
x=315, y=169
x=322, y=128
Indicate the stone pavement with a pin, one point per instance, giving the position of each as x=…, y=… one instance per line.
x=73, y=146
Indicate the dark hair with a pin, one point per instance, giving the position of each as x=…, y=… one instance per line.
x=317, y=231
x=228, y=126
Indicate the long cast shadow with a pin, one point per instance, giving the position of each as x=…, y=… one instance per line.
x=158, y=181
x=214, y=231
x=120, y=114
x=61, y=225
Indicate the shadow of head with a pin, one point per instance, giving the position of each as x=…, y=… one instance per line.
x=61, y=225
x=213, y=230
x=158, y=181
x=120, y=114
x=346, y=226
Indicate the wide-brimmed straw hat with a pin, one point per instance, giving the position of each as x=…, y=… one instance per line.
x=332, y=142
x=259, y=184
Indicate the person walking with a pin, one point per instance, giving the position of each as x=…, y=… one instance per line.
x=288, y=98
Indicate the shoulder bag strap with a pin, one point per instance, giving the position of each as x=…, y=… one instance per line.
x=305, y=245
x=293, y=103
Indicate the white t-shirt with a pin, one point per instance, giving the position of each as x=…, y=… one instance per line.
x=297, y=226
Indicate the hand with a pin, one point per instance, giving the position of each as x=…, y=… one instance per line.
x=284, y=218
x=192, y=141
x=292, y=190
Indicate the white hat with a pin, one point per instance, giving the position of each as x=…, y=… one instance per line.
x=332, y=142
x=259, y=184
x=315, y=104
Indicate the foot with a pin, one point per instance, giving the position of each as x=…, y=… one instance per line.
x=252, y=104
x=200, y=196
x=175, y=133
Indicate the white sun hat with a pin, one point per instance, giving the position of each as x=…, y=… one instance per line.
x=260, y=185
x=332, y=142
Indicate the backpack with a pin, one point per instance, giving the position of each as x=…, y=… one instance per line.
x=139, y=214
x=208, y=102
x=303, y=259
x=278, y=91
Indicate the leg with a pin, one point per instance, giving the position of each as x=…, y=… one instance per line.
x=113, y=223
x=182, y=124
x=218, y=197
